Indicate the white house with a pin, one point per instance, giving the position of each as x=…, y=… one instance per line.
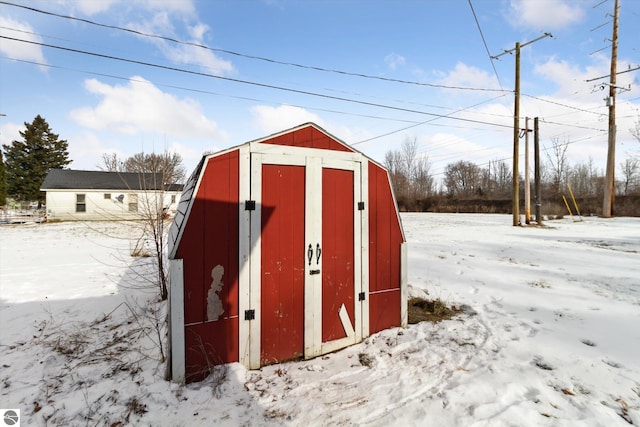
x=75, y=195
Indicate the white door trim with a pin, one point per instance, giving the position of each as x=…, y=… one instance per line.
x=252, y=157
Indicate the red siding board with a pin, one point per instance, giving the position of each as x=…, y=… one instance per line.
x=282, y=263
x=209, y=344
x=211, y=238
x=190, y=250
x=308, y=137
x=384, y=310
x=220, y=229
x=385, y=238
x=337, y=251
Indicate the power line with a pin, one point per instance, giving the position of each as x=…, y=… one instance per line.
x=243, y=55
x=485, y=44
x=425, y=122
x=247, y=82
x=544, y=148
x=89, y=72
x=206, y=92
x=328, y=89
x=618, y=73
x=563, y=105
x=573, y=126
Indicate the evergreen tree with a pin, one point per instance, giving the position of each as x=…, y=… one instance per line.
x=3, y=182
x=28, y=162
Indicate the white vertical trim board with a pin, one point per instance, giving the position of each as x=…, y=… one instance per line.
x=404, y=310
x=176, y=320
x=313, y=236
x=244, y=256
x=255, y=263
x=364, y=247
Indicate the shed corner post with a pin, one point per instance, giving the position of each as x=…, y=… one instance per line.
x=364, y=247
x=176, y=342
x=404, y=292
x=248, y=248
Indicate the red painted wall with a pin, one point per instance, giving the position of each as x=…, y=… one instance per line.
x=337, y=251
x=282, y=263
x=309, y=137
x=211, y=238
x=385, y=238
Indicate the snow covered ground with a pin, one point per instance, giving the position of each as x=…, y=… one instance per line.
x=550, y=335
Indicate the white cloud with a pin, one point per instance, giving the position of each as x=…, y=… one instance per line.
x=141, y=107
x=159, y=17
x=194, y=55
x=93, y=7
x=86, y=150
x=180, y=53
x=20, y=50
x=545, y=15
x=181, y=6
x=10, y=132
x=190, y=156
x=393, y=61
x=571, y=79
x=275, y=119
x=464, y=75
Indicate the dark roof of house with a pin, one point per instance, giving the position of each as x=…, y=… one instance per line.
x=67, y=179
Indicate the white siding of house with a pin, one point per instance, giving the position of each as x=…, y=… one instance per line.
x=61, y=204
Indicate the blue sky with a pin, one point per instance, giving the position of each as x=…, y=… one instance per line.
x=388, y=71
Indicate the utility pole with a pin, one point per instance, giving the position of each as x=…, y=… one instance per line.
x=515, y=187
x=609, y=184
x=515, y=195
x=527, y=184
x=536, y=172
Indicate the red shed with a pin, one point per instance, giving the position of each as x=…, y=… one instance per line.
x=286, y=247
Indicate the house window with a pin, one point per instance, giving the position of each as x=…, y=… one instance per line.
x=107, y=196
x=133, y=203
x=173, y=198
x=81, y=205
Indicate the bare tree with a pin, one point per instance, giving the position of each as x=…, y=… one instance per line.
x=558, y=163
x=423, y=183
x=497, y=179
x=169, y=165
x=631, y=175
x=399, y=179
x=410, y=172
x=153, y=218
x=111, y=163
x=584, y=179
x=157, y=173
x=636, y=132
x=165, y=170
x=463, y=179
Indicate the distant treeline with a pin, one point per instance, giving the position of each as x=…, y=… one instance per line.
x=623, y=206
x=467, y=187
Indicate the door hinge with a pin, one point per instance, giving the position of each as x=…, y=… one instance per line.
x=360, y=206
x=249, y=314
x=249, y=205
x=361, y=296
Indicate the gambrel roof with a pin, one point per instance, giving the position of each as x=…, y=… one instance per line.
x=67, y=179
